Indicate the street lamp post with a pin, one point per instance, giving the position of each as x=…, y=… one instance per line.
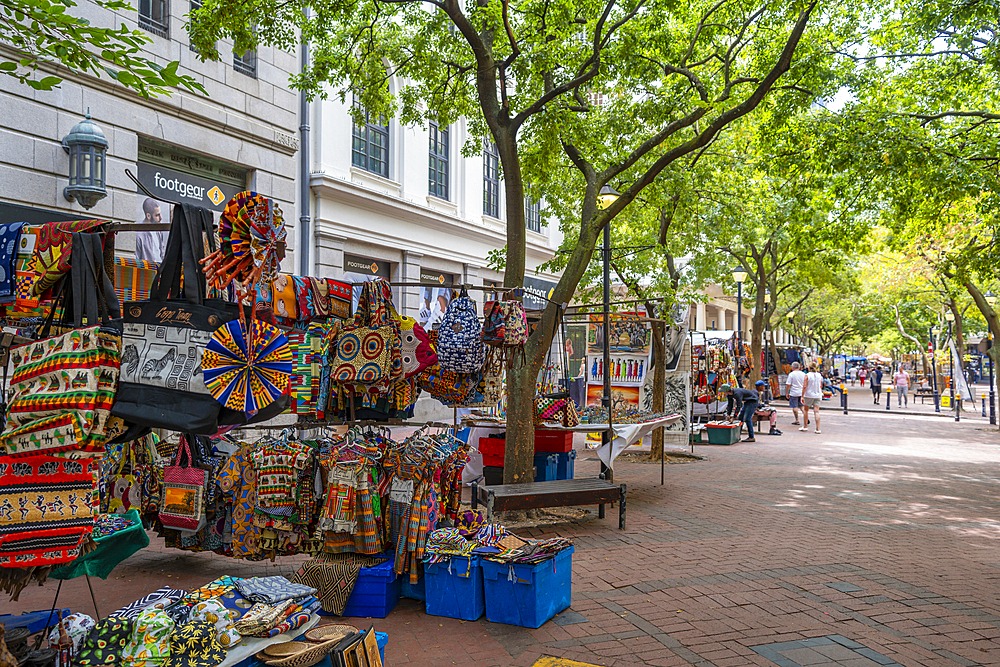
x=991, y=301
x=937, y=399
x=950, y=316
x=607, y=197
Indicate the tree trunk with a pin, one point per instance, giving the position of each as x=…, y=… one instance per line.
x=659, y=384
x=902, y=332
x=756, y=345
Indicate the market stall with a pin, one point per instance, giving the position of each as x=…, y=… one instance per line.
x=141, y=397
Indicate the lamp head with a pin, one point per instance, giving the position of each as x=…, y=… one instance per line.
x=949, y=316
x=739, y=275
x=607, y=197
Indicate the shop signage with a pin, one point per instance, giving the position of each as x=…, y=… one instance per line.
x=366, y=267
x=537, y=293
x=438, y=277
x=168, y=184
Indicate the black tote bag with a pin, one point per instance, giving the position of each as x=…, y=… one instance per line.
x=161, y=383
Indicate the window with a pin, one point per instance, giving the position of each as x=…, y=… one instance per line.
x=533, y=215
x=154, y=16
x=246, y=63
x=370, y=146
x=437, y=174
x=491, y=179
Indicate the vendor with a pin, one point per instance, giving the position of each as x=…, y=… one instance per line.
x=741, y=404
x=765, y=410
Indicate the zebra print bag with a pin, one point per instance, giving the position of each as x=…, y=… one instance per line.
x=161, y=383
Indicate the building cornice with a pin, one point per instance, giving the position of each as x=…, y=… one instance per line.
x=357, y=195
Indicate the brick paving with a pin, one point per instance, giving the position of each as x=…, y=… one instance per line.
x=875, y=543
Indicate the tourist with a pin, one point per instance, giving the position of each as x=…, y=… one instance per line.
x=740, y=405
x=812, y=394
x=876, y=383
x=765, y=410
x=862, y=374
x=854, y=374
x=793, y=390
x=902, y=381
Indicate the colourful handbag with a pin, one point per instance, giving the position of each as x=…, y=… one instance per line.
x=46, y=509
x=418, y=353
x=124, y=488
x=284, y=302
x=506, y=324
x=341, y=298
x=183, y=505
x=64, y=386
x=446, y=386
x=369, y=353
x=563, y=409
x=53, y=251
x=134, y=278
x=460, y=345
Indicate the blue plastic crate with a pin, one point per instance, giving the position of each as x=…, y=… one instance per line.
x=545, y=467
x=375, y=594
x=566, y=465
x=455, y=589
x=531, y=594
x=413, y=591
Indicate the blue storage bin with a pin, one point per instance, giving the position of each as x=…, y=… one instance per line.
x=566, y=465
x=413, y=591
x=455, y=591
x=545, y=467
x=536, y=594
x=375, y=594
x=382, y=639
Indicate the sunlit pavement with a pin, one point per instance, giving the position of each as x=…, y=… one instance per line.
x=876, y=542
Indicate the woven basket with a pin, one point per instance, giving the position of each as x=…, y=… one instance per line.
x=307, y=657
x=285, y=649
x=326, y=633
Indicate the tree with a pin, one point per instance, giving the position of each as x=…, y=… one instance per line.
x=575, y=96
x=45, y=38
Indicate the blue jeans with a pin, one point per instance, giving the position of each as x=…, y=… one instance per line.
x=746, y=416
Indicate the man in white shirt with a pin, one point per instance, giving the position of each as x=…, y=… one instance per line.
x=151, y=246
x=793, y=390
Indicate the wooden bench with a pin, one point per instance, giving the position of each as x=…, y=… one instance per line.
x=924, y=394
x=557, y=493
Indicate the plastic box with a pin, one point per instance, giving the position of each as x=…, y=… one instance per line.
x=565, y=465
x=549, y=440
x=536, y=593
x=412, y=591
x=493, y=450
x=455, y=588
x=723, y=434
x=546, y=466
x=376, y=592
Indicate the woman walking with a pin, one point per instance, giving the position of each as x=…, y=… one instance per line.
x=862, y=374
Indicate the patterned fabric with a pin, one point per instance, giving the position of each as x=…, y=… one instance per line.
x=320, y=297
x=194, y=645
x=77, y=627
x=447, y=386
x=105, y=643
x=51, y=259
x=334, y=576
x=134, y=278
x=367, y=536
x=341, y=490
x=341, y=298
x=283, y=298
x=417, y=352
x=470, y=521
x=236, y=603
x=46, y=509
x=506, y=325
x=247, y=367
x=10, y=235
x=365, y=355
x=460, y=345
x=150, y=641
x=278, y=465
x=272, y=590
x=304, y=300
x=238, y=482
x=262, y=617
x=210, y=590
x=159, y=598
x=61, y=393
x=216, y=613
x=448, y=541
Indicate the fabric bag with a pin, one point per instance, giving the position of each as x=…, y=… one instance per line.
x=460, y=346
x=46, y=509
x=162, y=385
x=183, y=505
x=506, y=324
x=340, y=297
x=134, y=278
x=64, y=386
x=563, y=409
x=369, y=353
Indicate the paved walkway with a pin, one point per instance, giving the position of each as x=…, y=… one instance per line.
x=875, y=543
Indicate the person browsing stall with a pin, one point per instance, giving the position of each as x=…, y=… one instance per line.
x=740, y=405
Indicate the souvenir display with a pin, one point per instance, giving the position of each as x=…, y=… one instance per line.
x=247, y=366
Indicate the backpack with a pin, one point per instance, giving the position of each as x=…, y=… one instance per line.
x=460, y=346
x=506, y=325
